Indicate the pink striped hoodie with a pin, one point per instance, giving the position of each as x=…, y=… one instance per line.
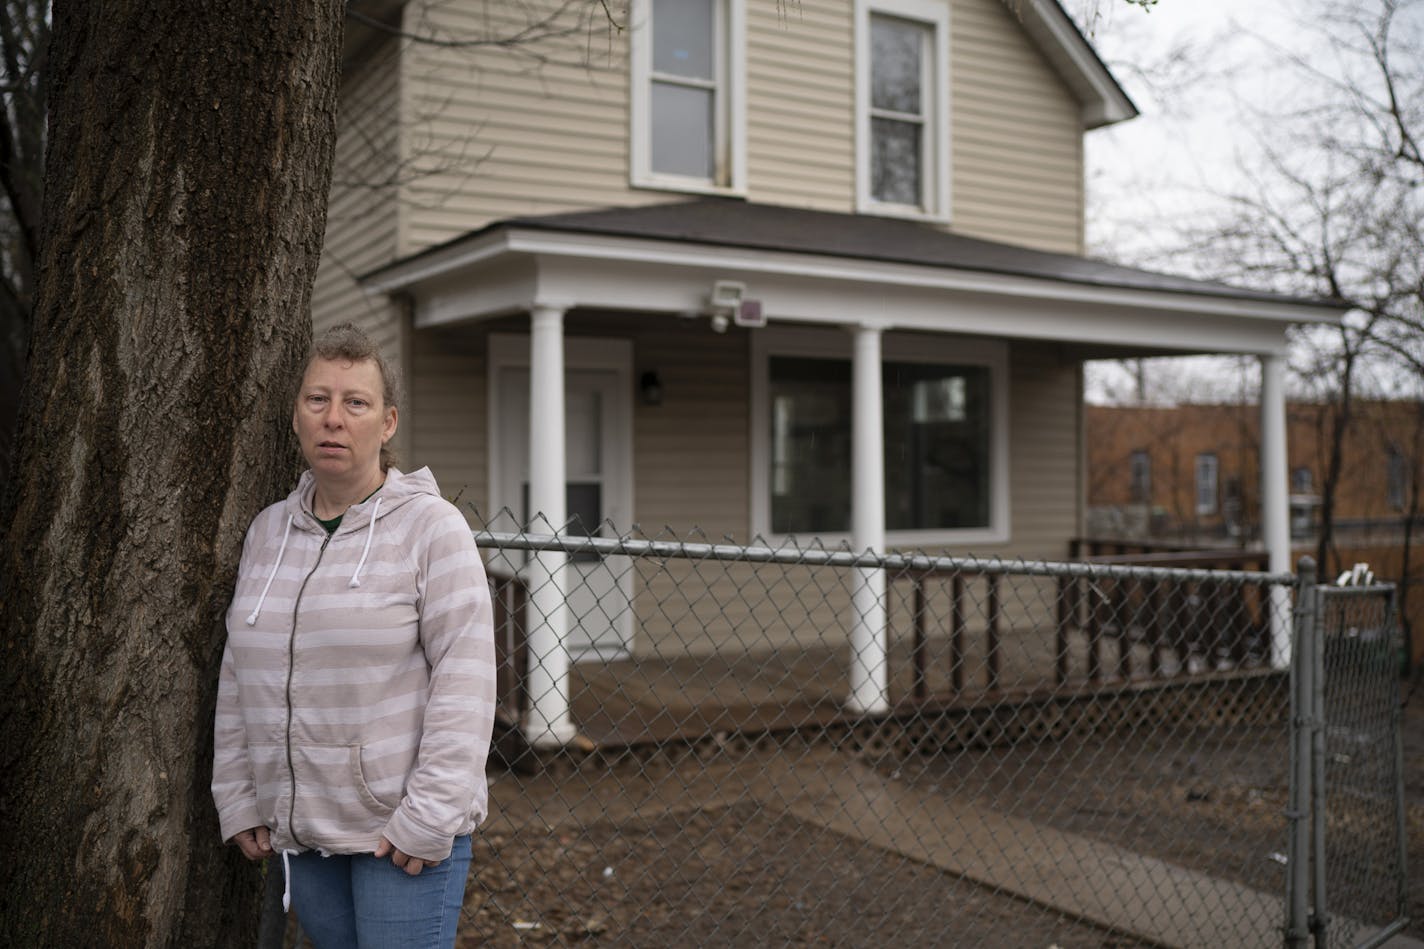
x=357, y=691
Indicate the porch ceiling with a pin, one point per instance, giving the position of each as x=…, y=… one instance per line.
x=821, y=267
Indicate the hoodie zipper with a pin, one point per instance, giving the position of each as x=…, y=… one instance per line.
x=291, y=666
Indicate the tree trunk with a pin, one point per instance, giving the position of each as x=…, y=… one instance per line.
x=189, y=158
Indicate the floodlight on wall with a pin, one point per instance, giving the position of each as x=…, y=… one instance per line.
x=728, y=304
x=726, y=298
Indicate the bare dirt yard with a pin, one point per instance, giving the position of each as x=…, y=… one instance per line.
x=719, y=848
x=685, y=853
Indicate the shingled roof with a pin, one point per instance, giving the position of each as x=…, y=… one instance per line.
x=721, y=222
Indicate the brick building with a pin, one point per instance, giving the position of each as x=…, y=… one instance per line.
x=1190, y=472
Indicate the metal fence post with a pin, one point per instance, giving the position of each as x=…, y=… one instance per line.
x=1319, y=917
x=1302, y=669
x=1401, y=830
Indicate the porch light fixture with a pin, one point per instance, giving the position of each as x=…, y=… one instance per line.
x=651, y=388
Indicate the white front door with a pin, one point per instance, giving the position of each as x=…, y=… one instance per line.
x=598, y=492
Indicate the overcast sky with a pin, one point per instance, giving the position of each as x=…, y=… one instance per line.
x=1205, y=74
x=1200, y=109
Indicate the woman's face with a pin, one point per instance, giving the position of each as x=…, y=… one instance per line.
x=342, y=421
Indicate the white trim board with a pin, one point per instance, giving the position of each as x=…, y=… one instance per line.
x=508, y=271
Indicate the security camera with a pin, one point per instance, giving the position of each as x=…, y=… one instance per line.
x=719, y=322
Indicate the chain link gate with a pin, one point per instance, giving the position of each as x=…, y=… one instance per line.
x=1348, y=763
x=1061, y=754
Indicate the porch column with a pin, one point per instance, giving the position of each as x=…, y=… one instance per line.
x=1275, y=502
x=548, y=722
x=869, y=671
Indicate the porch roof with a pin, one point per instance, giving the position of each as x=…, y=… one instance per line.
x=768, y=246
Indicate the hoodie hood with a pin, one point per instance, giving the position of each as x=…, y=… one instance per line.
x=398, y=489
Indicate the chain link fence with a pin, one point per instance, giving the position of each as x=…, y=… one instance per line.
x=1356, y=780
x=711, y=744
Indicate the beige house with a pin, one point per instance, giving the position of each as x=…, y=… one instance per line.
x=769, y=269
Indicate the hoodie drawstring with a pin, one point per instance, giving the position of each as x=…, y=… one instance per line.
x=252, y=617
x=370, y=532
x=286, y=880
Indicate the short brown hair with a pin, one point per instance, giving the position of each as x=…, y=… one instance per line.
x=349, y=343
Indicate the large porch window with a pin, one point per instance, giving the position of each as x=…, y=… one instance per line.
x=943, y=428
x=936, y=445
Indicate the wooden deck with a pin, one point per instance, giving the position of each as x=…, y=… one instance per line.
x=954, y=655
x=642, y=702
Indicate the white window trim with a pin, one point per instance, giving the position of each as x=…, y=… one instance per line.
x=731, y=80
x=787, y=341
x=937, y=154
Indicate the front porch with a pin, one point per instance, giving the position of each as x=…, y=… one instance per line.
x=755, y=646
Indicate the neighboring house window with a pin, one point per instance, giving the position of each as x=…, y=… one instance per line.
x=1302, y=481
x=943, y=431
x=1398, y=479
x=1139, y=466
x=1206, y=476
x=902, y=107
x=688, y=100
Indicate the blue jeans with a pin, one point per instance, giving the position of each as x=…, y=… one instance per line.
x=354, y=901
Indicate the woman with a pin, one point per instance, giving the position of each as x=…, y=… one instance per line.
x=357, y=690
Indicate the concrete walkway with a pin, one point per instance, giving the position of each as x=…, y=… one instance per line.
x=1149, y=899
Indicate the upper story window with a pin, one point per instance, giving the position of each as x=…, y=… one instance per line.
x=902, y=108
x=1139, y=467
x=688, y=98
x=1206, y=483
x=1302, y=480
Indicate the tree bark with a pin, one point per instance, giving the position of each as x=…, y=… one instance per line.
x=189, y=159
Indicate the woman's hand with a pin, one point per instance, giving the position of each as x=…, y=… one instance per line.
x=255, y=842
x=405, y=861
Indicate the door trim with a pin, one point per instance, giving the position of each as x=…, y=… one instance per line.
x=511, y=351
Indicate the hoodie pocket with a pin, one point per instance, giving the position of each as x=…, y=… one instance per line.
x=333, y=801
x=358, y=776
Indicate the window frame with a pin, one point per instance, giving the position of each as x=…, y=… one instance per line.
x=1396, y=488
x=895, y=347
x=729, y=103
x=935, y=154
x=1214, y=506
x=1139, y=494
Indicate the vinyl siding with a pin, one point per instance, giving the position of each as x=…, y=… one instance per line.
x=690, y=452
x=1043, y=448
x=801, y=104
x=1016, y=135
x=448, y=398
x=493, y=133
x=497, y=133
